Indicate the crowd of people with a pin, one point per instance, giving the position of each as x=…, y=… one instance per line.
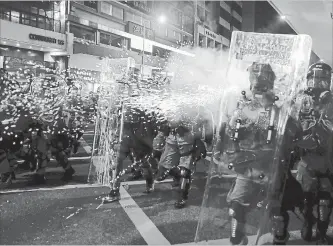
x=40, y=120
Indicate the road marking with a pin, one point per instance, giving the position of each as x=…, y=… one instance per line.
x=53, y=188
x=91, y=131
x=141, y=221
x=140, y=182
x=85, y=146
x=70, y=158
x=64, y=187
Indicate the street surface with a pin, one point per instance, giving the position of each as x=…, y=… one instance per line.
x=73, y=213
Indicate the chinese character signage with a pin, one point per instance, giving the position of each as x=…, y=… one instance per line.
x=138, y=30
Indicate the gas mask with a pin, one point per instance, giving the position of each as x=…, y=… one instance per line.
x=318, y=79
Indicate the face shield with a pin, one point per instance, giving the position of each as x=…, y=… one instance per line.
x=319, y=79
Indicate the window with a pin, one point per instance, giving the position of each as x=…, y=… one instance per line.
x=41, y=22
x=188, y=24
x=174, y=33
x=111, y=39
x=91, y=4
x=4, y=14
x=15, y=17
x=225, y=32
x=166, y=32
x=224, y=23
x=225, y=6
x=118, y=12
x=237, y=8
x=179, y=37
x=236, y=23
x=83, y=33
x=106, y=8
x=225, y=15
x=237, y=16
x=33, y=16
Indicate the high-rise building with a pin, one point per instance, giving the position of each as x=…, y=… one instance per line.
x=229, y=19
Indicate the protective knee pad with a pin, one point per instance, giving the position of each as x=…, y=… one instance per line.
x=185, y=178
x=280, y=223
x=324, y=206
x=237, y=214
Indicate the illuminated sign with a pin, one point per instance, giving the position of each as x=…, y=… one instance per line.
x=138, y=30
x=46, y=39
x=210, y=34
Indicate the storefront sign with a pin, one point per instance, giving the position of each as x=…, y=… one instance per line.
x=46, y=39
x=210, y=34
x=84, y=75
x=138, y=30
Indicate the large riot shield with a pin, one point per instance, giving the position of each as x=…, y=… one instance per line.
x=247, y=168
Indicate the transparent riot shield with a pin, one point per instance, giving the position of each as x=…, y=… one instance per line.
x=113, y=93
x=264, y=74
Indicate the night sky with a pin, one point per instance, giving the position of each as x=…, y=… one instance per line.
x=268, y=20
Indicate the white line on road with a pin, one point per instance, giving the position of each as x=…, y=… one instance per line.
x=65, y=187
x=143, y=224
x=70, y=158
x=85, y=146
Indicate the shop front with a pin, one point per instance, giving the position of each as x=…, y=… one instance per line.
x=26, y=50
x=208, y=38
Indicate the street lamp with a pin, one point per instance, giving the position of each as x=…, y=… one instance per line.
x=162, y=19
x=283, y=17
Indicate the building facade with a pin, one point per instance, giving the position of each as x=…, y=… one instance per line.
x=121, y=29
x=33, y=36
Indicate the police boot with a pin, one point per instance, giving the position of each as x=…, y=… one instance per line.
x=185, y=184
x=324, y=213
x=113, y=196
x=309, y=220
x=237, y=232
x=68, y=175
x=322, y=238
x=6, y=180
x=183, y=197
x=76, y=146
x=162, y=174
x=39, y=179
x=148, y=175
x=280, y=228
